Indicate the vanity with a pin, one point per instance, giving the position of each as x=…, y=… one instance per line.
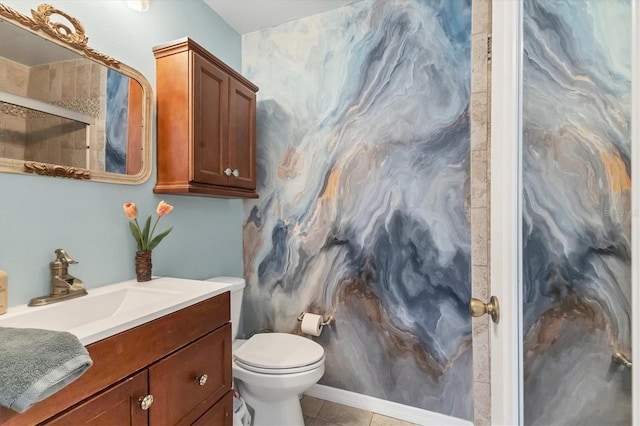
x=161, y=357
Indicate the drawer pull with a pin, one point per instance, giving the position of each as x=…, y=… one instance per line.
x=145, y=402
x=202, y=380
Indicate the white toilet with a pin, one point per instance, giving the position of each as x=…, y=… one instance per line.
x=271, y=370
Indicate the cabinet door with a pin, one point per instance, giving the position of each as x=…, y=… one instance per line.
x=242, y=135
x=210, y=124
x=180, y=393
x=116, y=406
x=220, y=414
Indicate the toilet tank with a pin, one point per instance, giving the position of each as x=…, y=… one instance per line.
x=237, y=288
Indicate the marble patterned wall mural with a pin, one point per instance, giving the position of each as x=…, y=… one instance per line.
x=363, y=176
x=577, y=211
x=117, y=122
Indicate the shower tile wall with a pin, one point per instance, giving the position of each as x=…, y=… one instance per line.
x=12, y=119
x=47, y=138
x=363, y=176
x=577, y=211
x=77, y=86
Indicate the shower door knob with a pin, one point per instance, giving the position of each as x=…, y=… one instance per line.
x=478, y=308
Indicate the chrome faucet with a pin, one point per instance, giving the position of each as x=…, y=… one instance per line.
x=63, y=285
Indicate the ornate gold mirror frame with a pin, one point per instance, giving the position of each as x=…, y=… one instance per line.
x=75, y=39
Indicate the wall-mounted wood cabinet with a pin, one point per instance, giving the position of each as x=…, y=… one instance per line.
x=206, y=124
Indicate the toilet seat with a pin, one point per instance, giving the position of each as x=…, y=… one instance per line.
x=279, y=353
x=277, y=371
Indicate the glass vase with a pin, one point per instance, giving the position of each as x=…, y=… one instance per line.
x=143, y=265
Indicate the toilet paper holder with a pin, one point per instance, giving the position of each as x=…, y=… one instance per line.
x=324, y=322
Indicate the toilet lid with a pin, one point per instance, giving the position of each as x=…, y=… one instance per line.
x=276, y=371
x=278, y=351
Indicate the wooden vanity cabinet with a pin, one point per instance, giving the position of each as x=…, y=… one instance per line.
x=165, y=358
x=179, y=380
x=116, y=406
x=206, y=124
x=219, y=414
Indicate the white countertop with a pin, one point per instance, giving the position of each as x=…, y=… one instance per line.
x=114, y=308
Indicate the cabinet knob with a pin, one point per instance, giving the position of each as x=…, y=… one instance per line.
x=227, y=171
x=202, y=380
x=145, y=402
x=235, y=172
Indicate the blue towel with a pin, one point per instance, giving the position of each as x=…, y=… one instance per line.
x=34, y=364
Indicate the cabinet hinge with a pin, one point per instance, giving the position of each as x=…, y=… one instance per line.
x=489, y=47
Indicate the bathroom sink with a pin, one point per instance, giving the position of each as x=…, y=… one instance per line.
x=113, y=308
x=76, y=312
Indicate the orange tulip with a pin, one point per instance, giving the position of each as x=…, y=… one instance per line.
x=146, y=240
x=130, y=210
x=163, y=209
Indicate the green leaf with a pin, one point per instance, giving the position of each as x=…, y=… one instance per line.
x=159, y=238
x=135, y=231
x=145, y=234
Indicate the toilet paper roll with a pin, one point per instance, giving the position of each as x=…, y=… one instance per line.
x=311, y=324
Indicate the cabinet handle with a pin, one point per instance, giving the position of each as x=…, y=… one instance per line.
x=202, y=380
x=145, y=402
x=230, y=172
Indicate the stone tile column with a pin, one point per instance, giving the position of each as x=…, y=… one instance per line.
x=479, y=199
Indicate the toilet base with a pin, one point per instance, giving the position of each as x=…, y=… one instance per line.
x=285, y=412
x=275, y=399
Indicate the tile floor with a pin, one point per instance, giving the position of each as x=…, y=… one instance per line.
x=318, y=412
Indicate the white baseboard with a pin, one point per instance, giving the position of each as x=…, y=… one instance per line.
x=384, y=407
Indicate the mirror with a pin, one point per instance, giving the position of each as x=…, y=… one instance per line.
x=65, y=109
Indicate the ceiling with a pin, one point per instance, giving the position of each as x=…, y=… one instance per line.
x=30, y=49
x=244, y=16
x=247, y=16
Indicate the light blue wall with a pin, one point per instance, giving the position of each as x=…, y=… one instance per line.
x=40, y=214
